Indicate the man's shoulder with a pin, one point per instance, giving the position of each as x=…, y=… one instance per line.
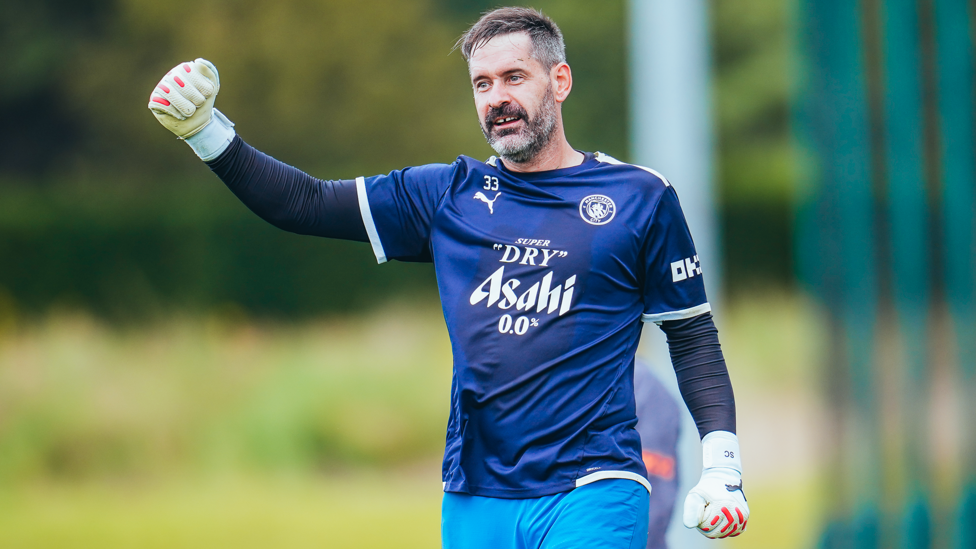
x=645, y=185
x=467, y=163
x=641, y=174
x=434, y=174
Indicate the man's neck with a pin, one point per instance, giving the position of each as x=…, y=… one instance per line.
x=557, y=154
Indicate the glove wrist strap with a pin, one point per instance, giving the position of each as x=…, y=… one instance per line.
x=721, y=449
x=213, y=138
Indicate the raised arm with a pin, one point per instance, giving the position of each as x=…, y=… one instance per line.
x=280, y=194
x=289, y=198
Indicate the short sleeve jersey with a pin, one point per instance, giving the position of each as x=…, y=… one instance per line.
x=544, y=279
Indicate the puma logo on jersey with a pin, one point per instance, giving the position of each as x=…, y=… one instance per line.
x=491, y=203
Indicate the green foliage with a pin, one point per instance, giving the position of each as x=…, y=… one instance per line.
x=116, y=217
x=133, y=254
x=194, y=396
x=101, y=209
x=751, y=69
x=339, y=88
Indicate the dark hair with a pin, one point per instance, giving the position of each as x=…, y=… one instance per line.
x=547, y=40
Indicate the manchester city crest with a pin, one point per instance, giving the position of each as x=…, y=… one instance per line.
x=597, y=209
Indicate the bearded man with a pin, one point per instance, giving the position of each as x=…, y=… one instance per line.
x=548, y=260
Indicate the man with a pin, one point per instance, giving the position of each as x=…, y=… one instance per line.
x=547, y=261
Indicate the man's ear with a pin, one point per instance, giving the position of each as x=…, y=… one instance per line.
x=562, y=79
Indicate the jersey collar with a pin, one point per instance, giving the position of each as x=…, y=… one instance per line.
x=589, y=161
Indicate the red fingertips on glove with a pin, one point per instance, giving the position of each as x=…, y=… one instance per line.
x=739, y=527
x=728, y=515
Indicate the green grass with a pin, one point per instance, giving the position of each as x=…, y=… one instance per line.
x=361, y=511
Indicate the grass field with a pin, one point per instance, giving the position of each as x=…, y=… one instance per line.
x=343, y=512
x=355, y=511
x=223, y=432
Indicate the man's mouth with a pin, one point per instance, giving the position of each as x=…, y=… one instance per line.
x=503, y=122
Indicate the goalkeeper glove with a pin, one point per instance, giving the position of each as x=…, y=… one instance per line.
x=183, y=103
x=717, y=505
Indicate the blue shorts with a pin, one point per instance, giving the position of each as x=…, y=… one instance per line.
x=606, y=514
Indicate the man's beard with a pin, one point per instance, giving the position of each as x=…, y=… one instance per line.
x=522, y=144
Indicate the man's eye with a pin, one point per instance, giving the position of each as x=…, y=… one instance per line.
x=515, y=78
x=481, y=86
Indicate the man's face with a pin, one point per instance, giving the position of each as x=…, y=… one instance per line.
x=514, y=97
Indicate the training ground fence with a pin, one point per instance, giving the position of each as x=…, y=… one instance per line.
x=884, y=120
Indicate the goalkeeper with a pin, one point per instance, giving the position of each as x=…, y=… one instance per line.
x=549, y=261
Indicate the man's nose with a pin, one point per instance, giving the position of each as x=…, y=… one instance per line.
x=499, y=97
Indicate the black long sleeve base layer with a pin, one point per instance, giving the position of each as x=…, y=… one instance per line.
x=703, y=377
x=289, y=198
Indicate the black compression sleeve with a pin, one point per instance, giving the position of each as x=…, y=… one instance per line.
x=289, y=198
x=703, y=378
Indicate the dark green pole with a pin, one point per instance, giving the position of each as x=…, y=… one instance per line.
x=836, y=252
x=908, y=205
x=958, y=168
x=836, y=116
x=816, y=243
x=859, y=281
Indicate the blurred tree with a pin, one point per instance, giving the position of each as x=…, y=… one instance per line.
x=37, y=40
x=339, y=88
x=336, y=87
x=751, y=86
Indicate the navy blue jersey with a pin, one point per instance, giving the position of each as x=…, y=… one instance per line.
x=544, y=279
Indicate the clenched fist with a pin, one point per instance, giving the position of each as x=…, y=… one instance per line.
x=717, y=506
x=183, y=102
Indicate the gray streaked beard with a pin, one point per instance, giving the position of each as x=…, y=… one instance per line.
x=535, y=136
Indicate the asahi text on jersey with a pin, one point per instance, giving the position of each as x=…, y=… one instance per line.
x=541, y=295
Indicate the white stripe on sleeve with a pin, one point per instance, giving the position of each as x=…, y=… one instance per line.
x=374, y=237
x=678, y=315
